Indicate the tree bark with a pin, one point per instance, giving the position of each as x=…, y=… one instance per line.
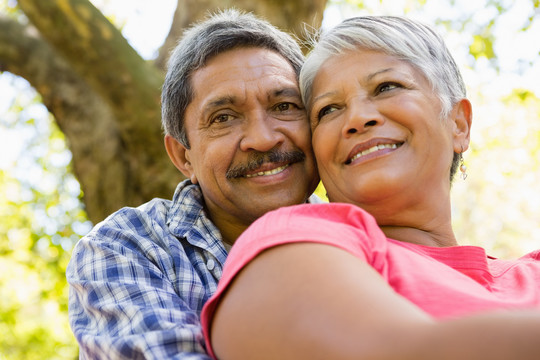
x=94, y=144
x=105, y=97
x=117, y=111
x=288, y=15
x=85, y=118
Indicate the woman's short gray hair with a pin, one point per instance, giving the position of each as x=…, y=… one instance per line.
x=406, y=39
x=219, y=33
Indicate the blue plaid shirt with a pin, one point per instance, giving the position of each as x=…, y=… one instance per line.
x=139, y=279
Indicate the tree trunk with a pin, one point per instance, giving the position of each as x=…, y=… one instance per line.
x=287, y=15
x=84, y=117
x=105, y=97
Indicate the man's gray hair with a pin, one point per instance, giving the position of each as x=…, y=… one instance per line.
x=406, y=39
x=221, y=32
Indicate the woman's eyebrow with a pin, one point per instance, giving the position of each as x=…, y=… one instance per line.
x=326, y=94
x=368, y=78
x=376, y=73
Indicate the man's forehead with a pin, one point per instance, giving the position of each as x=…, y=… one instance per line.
x=235, y=76
x=240, y=52
x=246, y=58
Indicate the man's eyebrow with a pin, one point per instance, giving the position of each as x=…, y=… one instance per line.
x=287, y=92
x=220, y=101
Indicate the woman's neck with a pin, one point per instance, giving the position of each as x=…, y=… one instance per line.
x=435, y=238
x=424, y=221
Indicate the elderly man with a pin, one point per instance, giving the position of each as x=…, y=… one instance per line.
x=237, y=129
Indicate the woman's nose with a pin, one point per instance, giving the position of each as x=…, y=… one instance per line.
x=361, y=116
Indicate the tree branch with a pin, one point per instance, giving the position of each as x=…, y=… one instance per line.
x=81, y=114
x=132, y=87
x=99, y=52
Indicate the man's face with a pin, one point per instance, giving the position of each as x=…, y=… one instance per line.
x=250, y=142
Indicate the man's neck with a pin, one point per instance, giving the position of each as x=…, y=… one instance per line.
x=229, y=226
x=229, y=231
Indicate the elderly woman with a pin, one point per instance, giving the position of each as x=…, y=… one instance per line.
x=378, y=272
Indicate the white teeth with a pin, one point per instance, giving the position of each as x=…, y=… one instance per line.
x=373, y=149
x=269, y=172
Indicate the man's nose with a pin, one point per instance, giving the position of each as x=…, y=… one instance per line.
x=260, y=133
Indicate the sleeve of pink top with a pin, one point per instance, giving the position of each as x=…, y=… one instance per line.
x=341, y=225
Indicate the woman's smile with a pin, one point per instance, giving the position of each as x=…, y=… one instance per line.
x=362, y=151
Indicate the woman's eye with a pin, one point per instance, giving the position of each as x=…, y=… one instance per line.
x=387, y=86
x=325, y=111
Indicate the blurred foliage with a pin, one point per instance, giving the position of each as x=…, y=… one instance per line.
x=482, y=45
x=42, y=217
x=9, y=8
x=42, y=214
x=497, y=206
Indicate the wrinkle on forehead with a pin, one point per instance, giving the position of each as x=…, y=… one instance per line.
x=237, y=77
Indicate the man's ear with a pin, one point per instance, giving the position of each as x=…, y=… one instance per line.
x=462, y=121
x=179, y=155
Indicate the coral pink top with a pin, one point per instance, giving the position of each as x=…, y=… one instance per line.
x=444, y=282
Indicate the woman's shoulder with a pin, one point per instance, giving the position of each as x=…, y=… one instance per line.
x=341, y=225
x=328, y=213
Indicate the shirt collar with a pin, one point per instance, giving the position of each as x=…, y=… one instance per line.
x=187, y=217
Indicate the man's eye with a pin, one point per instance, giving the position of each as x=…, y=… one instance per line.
x=221, y=118
x=286, y=106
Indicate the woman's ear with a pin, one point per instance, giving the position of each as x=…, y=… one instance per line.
x=462, y=121
x=179, y=156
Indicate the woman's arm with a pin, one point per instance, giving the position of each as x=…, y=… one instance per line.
x=313, y=301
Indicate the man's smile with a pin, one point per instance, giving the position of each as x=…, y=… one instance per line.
x=265, y=164
x=268, y=172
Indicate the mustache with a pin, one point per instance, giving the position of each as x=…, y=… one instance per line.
x=256, y=159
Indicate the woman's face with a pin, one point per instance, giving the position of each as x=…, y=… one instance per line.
x=377, y=134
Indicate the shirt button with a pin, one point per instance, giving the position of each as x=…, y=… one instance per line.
x=210, y=265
